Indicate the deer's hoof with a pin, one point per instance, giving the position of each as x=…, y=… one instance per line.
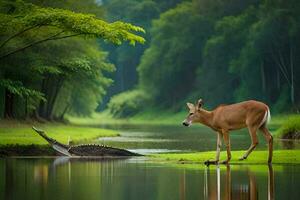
x=242, y=158
x=269, y=162
x=209, y=162
x=225, y=162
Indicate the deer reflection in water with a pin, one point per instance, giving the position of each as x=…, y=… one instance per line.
x=232, y=190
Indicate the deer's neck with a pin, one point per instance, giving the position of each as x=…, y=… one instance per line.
x=206, y=117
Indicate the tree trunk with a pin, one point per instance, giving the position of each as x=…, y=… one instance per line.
x=263, y=77
x=62, y=116
x=292, y=75
x=9, y=100
x=52, y=99
x=278, y=80
x=42, y=106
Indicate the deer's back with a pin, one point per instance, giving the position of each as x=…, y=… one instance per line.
x=239, y=115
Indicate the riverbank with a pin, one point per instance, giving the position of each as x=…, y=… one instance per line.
x=256, y=157
x=13, y=132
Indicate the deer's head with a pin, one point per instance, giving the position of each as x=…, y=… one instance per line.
x=194, y=113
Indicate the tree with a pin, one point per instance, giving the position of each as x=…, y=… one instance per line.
x=25, y=26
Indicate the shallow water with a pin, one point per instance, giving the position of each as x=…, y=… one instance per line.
x=135, y=179
x=149, y=139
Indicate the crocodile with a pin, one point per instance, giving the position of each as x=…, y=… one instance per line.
x=84, y=149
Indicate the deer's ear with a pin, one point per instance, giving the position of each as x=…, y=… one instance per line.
x=199, y=103
x=190, y=106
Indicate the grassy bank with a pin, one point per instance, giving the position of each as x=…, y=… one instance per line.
x=257, y=157
x=20, y=132
x=290, y=128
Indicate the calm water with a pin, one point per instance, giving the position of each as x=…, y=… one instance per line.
x=135, y=179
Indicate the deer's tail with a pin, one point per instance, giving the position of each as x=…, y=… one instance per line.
x=266, y=119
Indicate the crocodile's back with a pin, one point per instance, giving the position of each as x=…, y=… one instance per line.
x=98, y=150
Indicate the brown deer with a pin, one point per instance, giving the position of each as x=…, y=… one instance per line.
x=251, y=114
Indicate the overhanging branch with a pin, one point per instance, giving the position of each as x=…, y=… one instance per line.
x=53, y=37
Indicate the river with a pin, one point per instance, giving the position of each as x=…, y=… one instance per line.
x=140, y=179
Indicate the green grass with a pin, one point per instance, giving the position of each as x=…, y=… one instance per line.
x=257, y=157
x=290, y=124
x=14, y=132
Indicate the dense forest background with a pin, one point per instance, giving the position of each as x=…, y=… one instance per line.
x=223, y=51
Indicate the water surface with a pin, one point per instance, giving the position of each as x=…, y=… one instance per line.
x=135, y=179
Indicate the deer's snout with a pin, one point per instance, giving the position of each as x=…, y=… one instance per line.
x=185, y=123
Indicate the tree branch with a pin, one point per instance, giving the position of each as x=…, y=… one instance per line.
x=17, y=34
x=53, y=37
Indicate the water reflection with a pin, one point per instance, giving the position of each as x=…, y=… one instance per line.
x=69, y=178
x=235, y=189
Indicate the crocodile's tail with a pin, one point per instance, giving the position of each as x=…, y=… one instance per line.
x=61, y=148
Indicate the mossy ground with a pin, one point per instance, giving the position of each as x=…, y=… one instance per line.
x=257, y=157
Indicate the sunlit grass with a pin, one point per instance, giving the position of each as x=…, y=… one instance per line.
x=257, y=157
x=13, y=132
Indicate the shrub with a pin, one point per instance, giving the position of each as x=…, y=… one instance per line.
x=128, y=103
x=290, y=128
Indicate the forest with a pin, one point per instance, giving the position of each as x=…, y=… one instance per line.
x=72, y=58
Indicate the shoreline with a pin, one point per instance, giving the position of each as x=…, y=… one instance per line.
x=195, y=158
x=256, y=157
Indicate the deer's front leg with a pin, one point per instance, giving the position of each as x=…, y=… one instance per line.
x=227, y=143
x=219, y=145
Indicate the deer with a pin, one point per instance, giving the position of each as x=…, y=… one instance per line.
x=252, y=114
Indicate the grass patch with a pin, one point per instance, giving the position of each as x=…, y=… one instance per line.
x=290, y=128
x=257, y=157
x=14, y=132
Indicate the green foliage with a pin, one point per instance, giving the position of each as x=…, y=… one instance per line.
x=61, y=73
x=18, y=89
x=125, y=58
x=224, y=52
x=167, y=68
x=290, y=129
x=28, y=16
x=128, y=103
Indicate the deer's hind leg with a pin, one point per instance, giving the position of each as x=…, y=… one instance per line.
x=269, y=139
x=254, y=142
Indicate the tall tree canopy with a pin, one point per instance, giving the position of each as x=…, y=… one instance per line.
x=224, y=52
